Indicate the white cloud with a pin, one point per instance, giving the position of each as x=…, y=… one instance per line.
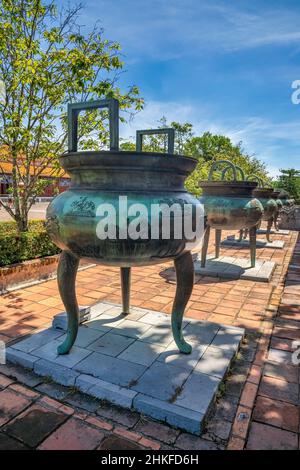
x=152, y=30
x=153, y=112
x=200, y=116
x=257, y=126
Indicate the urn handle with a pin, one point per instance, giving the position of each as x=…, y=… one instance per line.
x=238, y=169
x=256, y=178
x=113, y=110
x=169, y=131
x=217, y=163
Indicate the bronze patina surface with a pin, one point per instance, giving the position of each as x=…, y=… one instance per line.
x=286, y=199
x=229, y=205
x=270, y=214
x=276, y=196
x=98, y=179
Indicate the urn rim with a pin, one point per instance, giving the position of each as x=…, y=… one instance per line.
x=126, y=153
x=228, y=188
x=266, y=193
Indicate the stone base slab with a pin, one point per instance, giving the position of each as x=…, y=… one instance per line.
x=231, y=240
x=228, y=267
x=60, y=321
x=132, y=361
x=262, y=231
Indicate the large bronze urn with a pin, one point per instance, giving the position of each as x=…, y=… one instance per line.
x=276, y=196
x=287, y=201
x=229, y=205
x=99, y=180
x=265, y=194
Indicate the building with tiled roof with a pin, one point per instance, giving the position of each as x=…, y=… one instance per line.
x=58, y=179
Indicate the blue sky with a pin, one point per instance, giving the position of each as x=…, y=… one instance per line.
x=225, y=66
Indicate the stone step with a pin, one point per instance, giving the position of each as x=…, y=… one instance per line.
x=136, y=364
x=231, y=240
x=236, y=268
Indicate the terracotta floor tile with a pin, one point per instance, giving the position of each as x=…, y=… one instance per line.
x=264, y=437
x=11, y=404
x=279, y=390
x=276, y=413
x=51, y=301
x=73, y=435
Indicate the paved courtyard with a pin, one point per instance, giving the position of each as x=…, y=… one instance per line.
x=38, y=211
x=133, y=361
x=257, y=408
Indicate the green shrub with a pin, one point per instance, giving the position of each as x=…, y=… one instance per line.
x=7, y=228
x=33, y=244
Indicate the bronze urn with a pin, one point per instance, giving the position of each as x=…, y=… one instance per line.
x=229, y=205
x=98, y=180
x=265, y=194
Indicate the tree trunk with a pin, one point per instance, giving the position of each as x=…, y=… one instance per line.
x=22, y=223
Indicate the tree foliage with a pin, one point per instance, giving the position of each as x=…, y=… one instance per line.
x=289, y=180
x=47, y=61
x=209, y=147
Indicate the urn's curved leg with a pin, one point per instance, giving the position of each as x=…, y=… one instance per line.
x=184, y=267
x=125, y=286
x=241, y=235
x=218, y=235
x=246, y=233
x=252, y=242
x=205, y=246
x=276, y=222
x=66, y=276
x=269, y=226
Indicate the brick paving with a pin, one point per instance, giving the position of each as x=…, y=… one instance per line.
x=258, y=407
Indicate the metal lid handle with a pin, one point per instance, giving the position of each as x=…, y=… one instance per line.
x=169, y=131
x=238, y=169
x=73, y=111
x=256, y=178
x=219, y=162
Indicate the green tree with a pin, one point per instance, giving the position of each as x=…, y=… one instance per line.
x=289, y=180
x=209, y=147
x=46, y=61
x=159, y=143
